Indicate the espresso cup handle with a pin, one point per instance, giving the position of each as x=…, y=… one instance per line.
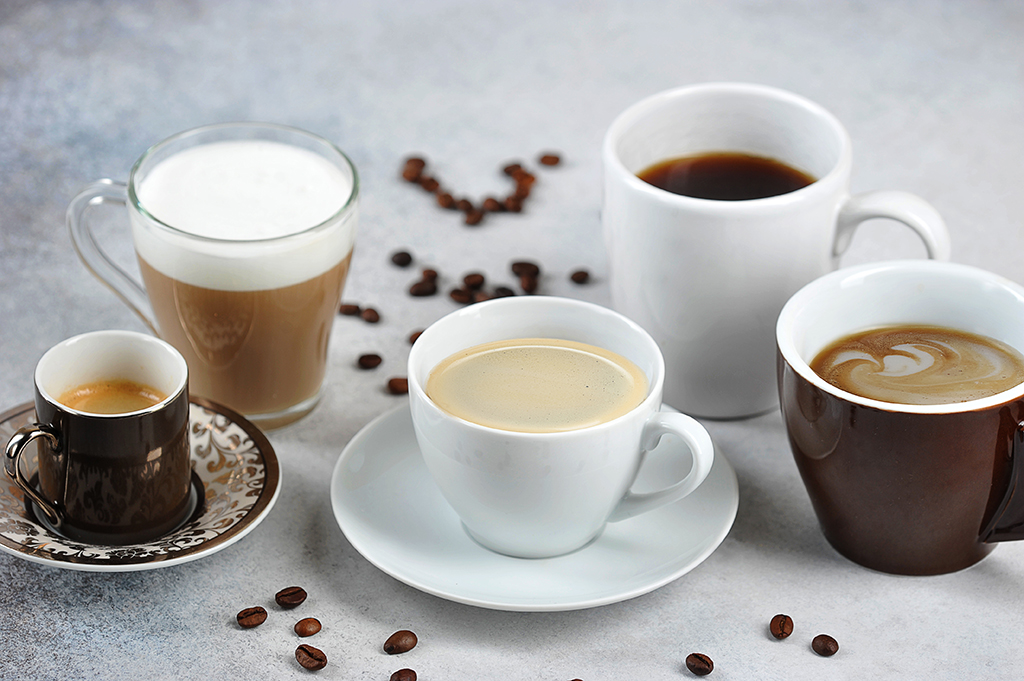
x=702, y=454
x=911, y=210
x=98, y=262
x=1007, y=522
x=12, y=465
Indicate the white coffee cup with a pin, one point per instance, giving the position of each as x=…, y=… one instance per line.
x=536, y=495
x=707, y=278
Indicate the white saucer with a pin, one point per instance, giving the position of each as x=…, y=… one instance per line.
x=393, y=514
x=232, y=463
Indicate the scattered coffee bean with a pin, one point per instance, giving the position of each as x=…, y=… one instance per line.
x=251, y=617
x=700, y=664
x=349, y=309
x=429, y=184
x=307, y=627
x=511, y=169
x=404, y=675
x=474, y=217
x=290, y=597
x=310, y=658
x=825, y=645
x=493, y=205
x=401, y=641
x=414, y=335
x=580, y=276
x=481, y=296
x=474, y=280
x=398, y=386
x=369, y=361
x=522, y=192
x=513, y=205
x=445, y=200
x=429, y=275
x=423, y=288
x=550, y=159
x=503, y=292
x=402, y=258
x=528, y=283
x=465, y=205
x=370, y=315
x=463, y=296
x=521, y=267
x=781, y=626
x=413, y=169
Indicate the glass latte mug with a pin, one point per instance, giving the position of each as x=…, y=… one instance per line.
x=244, y=235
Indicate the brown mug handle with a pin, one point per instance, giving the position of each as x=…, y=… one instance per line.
x=1007, y=522
x=12, y=465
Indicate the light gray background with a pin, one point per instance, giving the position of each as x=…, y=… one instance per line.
x=931, y=93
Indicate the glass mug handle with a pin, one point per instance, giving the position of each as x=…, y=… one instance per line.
x=12, y=465
x=911, y=210
x=702, y=453
x=93, y=257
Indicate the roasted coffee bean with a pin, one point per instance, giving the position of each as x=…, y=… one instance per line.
x=503, y=292
x=310, y=658
x=825, y=645
x=404, y=675
x=522, y=192
x=700, y=664
x=423, y=288
x=291, y=597
x=370, y=315
x=349, y=309
x=513, y=205
x=511, y=169
x=402, y=258
x=580, y=276
x=474, y=217
x=414, y=335
x=474, y=280
x=465, y=205
x=528, y=283
x=429, y=274
x=413, y=169
x=369, y=361
x=307, y=627
x=521, y=267
x=401, y=641
x=429, y=184
x=550, y=159
x=481, y=296
x=493, y=205
x=463, y=296
x=398, y=386
x=445, y=200
x=251, y=617
x=781, y=626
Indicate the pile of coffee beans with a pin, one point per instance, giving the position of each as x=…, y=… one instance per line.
x=415, y=172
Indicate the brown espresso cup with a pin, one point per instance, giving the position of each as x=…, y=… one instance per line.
x=914, y=489
x=112, y=414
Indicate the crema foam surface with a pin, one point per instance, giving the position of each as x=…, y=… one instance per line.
x=537, y=385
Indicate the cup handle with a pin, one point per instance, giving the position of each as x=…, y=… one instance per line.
x=1007, y=522
x=702, y=453
x=98, y=262
x=911, y=210
x=12, y=465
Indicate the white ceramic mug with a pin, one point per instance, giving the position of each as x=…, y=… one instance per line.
x=536, y=495
x=708, y=278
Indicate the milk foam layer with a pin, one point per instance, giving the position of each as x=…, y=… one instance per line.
x=920, y=365
x=240, y=192
x=537, y=385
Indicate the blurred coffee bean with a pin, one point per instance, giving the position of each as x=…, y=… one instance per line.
x=251, y=617
x=307, y=627
x=521, y=267
x=369, y=361
x=825, y=645
x=474, y=280
x=465, y=205
x=402, y=258
x=528, y=283
x=445, y=200
x=413, y=169
x=481, y=296
x=429, y=183
x=429, y=275
x=423, y=288
x=492, y=205
x=503, y=292
x=398, y=386
x=414, y=335
x=474, y=217
x=370, y=315
x=700, y=664
x=310, y=658
x=550, y=159
x=349, y=309
x=513, y=205
x=401, y=641
x=580, y=276
x=781, y=626
x=462, y=296
x=512, y=168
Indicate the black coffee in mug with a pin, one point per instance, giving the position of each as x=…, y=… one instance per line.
x=725, y=176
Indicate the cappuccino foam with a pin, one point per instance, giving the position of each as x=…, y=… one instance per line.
x=917, y=364
x=537, y=385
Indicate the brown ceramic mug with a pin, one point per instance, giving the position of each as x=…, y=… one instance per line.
x=112, y=414
x=904, y=488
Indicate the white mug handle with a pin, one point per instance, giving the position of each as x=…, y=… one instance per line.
x=93, y=257
x=702, y=453
x=911, y=210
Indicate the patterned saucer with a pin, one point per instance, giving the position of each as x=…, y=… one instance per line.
x=232, y=459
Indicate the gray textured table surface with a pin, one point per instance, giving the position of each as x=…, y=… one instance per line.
x=933, y=96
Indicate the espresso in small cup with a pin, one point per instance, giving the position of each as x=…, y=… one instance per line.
x=725, y=176
x=537, y=385
x=920, y=364
x=112, y=396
